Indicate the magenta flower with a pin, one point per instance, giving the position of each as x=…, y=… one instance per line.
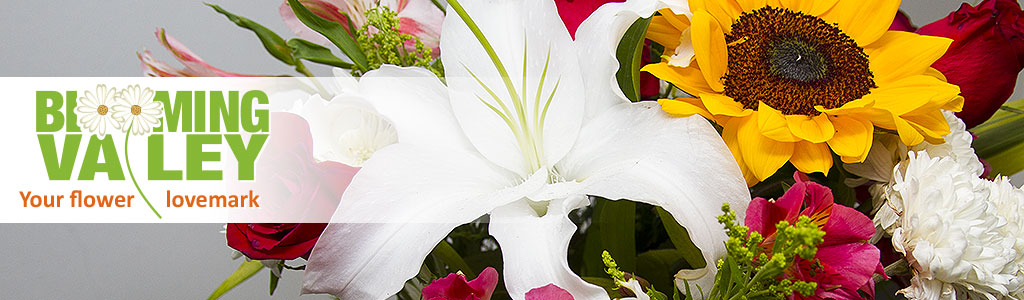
x=455, y=287
x=194, y=65
x=845, y=261
x=548, y=292
x=573, y=12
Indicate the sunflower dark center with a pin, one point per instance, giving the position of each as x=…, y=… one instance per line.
x=793, y=62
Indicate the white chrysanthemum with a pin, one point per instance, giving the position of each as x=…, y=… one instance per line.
x=887, y=153
x=1009, y=204
x=950, y=232
x=346, y=129
x=94, y=110
x=135, y=106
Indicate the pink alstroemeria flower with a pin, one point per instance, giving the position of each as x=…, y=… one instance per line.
x=455, y=287
x=194, y=65
x=548, y=292
x=419, y=18
x=845, y=261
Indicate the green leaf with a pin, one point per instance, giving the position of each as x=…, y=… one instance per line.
x=629, y=54
x=449, y=256
x=246, y=270
x=606, y=283
x=618, y=231
x=659, y=267
x=1000, y=141
x=271, y=41
x=333, y=31
x=273, y=282
x=303, y=49
x=681, y=239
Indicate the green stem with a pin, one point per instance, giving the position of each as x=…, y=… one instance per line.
x=129, y=164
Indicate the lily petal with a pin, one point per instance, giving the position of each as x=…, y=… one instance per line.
x=426, y=192
x=597, y=39
x=538, y=246
x=521, y=36
x=640, y=153
x=416, y=102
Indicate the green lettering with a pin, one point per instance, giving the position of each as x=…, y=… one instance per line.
x=227, y=113
x=246, y=154
x=175, y=114
x=48, y=115
x=110, y=165
x=156, y=160
x=194, y=157
x=255, y=120
x=59, y=169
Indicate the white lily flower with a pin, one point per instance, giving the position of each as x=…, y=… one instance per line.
x=531, y=122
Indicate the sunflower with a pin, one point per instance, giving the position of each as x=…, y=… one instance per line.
x=796, y=81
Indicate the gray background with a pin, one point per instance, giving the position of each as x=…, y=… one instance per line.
x=152, y=261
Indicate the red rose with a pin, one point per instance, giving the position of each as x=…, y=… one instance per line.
x=286, y=170
x=902, y=23
x=986, y=55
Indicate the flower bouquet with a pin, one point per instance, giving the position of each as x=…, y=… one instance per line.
x=645, y=149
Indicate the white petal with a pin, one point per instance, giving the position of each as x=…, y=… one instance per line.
x=416, y=103
x=519, y=30
x=534, y=250
x=401, y=203
x=597, y=38
x=637, y=152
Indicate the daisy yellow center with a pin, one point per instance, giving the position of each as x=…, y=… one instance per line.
x=793, y=62
x=102, y=110
x=136, y=110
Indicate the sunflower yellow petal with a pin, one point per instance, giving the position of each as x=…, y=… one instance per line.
x=750, y=5
x=689, y=79
x=811, y=157
x=773, y=124
x=913, y=93
x=810, y=7
x=662, y=32
x=722, y=105
x=931, y=125
x=908, y=133
x=817, y=129
x=709, y=48
x=855, y=106
x=852, y=139
x=955, y=105
x=762, y=155
x=899, y=54
x=723, y=11
x=936, y=73
x=684, y=107
x=863, y=20
x=729, y=135
x=666, y=29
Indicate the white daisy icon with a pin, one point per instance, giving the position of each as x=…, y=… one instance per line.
x=95, y=112
x=136, y=108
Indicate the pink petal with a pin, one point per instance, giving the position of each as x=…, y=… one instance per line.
x=853, y=262
x=194, y=65
x=847, y=225
x=324, y=9
x=455, y=287
x=573, y=12
x=486, y=282
x=548, y=292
